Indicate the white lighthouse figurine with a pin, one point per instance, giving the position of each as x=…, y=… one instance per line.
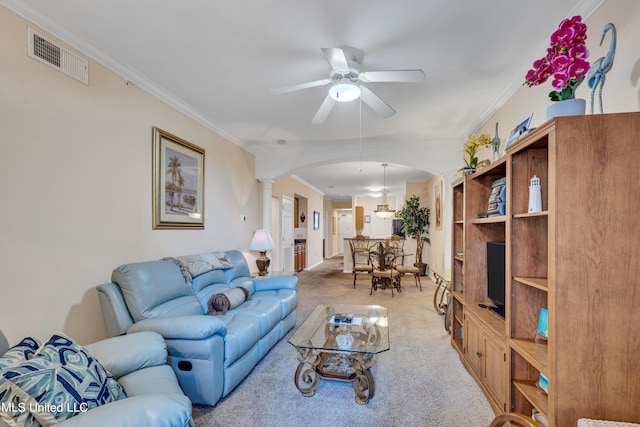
x=535, y=196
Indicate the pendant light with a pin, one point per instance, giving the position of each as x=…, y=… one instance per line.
x=383, y=210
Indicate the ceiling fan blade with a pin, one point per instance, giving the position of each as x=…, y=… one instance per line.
x=337, y=59
x=324, y=110
x=376, y=104
x=399, y=76
x=300, y=86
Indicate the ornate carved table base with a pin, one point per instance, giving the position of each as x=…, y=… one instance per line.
x=341, y=366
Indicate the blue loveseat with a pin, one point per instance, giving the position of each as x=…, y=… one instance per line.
x=138, y=363
x=210, y=354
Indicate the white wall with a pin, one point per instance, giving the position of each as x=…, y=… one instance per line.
x=76, y=190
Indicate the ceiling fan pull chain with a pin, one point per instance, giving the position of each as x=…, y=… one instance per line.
x=360, y=133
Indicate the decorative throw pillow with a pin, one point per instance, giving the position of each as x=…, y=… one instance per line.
x=19, y=353
x=226, y=300
x=15, y=356
x=59, y=381
x=14, y=411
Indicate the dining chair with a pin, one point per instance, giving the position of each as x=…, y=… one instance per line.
x=359, y=256
x=396, y=244
x=415, y=271
x=384, y=273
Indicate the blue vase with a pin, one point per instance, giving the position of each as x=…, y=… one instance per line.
x=568, y=107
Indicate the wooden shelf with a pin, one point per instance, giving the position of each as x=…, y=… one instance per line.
x=535, y=282
x=534, y=395
x=535, y=354
x=531, y=215
x=458, y=319
x=496, y=169
x=489, y=220
x=458, y=295
x=489, y=319
x=459, y=221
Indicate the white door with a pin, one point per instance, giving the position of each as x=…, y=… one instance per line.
x=287, y=234
x=345, y=229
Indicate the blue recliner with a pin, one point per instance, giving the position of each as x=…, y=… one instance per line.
x=210, y=354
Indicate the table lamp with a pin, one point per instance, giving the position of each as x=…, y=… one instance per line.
x=262, y=241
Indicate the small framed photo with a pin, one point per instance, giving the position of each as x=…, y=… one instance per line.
x=367, y=219
x=543, y=323
x=316, y=220
x=519, y=130
x=178, y=182
x=543, y=383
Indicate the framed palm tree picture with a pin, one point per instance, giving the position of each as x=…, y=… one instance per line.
x=178, y=182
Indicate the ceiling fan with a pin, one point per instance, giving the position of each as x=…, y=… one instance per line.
x=345, y=78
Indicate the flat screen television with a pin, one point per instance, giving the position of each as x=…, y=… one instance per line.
x=495, y=276
x=398, y=224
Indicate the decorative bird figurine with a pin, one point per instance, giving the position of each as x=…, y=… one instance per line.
x=601, y=66
x=495, y=144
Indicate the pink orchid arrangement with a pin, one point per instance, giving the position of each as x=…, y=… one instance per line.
x=566, y=60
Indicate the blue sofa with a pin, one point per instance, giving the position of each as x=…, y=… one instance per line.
x=139, y=363
x=210, y=354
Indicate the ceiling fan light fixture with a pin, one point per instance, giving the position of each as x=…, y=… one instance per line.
x=344, y=92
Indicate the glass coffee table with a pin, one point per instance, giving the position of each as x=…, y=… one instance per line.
x=332, y=348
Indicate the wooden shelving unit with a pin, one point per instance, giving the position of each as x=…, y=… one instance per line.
x=457, y=327
x=573, y=259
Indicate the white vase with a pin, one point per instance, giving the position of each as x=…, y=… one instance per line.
x=568, y=107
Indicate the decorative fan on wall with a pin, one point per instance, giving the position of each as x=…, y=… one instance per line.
x=345, y=78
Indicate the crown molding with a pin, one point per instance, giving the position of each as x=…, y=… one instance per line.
x=73, y=40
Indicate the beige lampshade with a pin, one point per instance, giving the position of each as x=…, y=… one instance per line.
x=262, y=241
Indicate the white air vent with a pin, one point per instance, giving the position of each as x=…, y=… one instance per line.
x=62, y=59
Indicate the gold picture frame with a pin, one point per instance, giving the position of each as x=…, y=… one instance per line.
x=438, y=205
x=178, y=182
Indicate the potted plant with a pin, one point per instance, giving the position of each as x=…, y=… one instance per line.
x=416, y=224
x=565, y=61
x=475, y=141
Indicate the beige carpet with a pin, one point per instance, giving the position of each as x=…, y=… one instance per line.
x=419, y=382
